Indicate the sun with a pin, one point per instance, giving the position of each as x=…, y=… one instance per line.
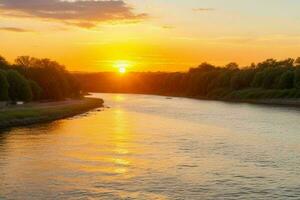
x=122, y=66
x=122, y=70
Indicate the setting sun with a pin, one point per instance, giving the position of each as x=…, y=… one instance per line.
x=122, y=66
x=122, y=70
x=149, y=99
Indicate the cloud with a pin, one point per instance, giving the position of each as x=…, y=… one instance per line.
x=83, y=13
x=203, y=9
x=14, y=29
x=168, y=27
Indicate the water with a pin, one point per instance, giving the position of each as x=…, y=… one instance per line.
x=150, y=147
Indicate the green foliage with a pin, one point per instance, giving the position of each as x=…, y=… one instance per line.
x=232, y=66
x=34, y=113
x=258, y=80
x=36, y=90
x=55, y=81
x=297, y=61
x=19, y=88
x=268, y=79
x=224, y=79
x=204, y=67
x=297, y=78
x=4, y=86
x=272, y=77
x=3, y=63
x=34, y=79
x=287, y=80
x=242, y=79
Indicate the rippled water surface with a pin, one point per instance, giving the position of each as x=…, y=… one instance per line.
x=151, y=147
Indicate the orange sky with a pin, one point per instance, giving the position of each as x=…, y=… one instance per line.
x=149, y=35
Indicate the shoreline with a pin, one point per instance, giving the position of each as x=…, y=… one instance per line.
x=35, y=113
x=273, y=102
x=288, y=102
x=292, y=102
x=284, y=102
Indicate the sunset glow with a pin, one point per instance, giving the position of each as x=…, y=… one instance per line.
x=149, y=99
x=122, y=66
x=122, y=70
x=191, y=32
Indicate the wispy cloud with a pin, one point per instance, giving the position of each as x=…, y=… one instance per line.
x=168, y=27
x=14, y=29
x=83, y=13
x=203, y=9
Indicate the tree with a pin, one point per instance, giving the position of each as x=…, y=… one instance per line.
x=237, y=81
x=287, y=80
x=56, y=82
x=224, y=79
x=297, y=61
x=36, y=90
x=286, y=63
x=297, y=78
x=3, y=63
x=242, y=79
x=267, y=63
x=204, y=67
x=232, y=66
x=271, y=77
x=258, y=80
x=3, y=87
x=26, y=61
x=19, y=88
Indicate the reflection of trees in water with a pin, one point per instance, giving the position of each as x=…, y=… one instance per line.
x=32, y=130
x=42, y=128
x=3, y=136
x=268, y=79
x=4, y=151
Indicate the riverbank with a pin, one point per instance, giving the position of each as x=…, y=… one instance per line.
x=271, y=102
x=289, y=97
x=45, y=112
x=286, y=102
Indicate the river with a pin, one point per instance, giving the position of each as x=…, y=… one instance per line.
x=153, y=147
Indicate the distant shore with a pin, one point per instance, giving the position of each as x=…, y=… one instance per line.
x=286, y=102
x=33, y=113
x=274, y=102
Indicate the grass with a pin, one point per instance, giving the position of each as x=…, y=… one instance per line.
x=44, y=112
x=264, y=94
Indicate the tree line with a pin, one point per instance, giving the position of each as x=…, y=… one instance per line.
x=33, y=79
x=268, y=79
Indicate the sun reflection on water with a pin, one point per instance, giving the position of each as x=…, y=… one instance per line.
x=121, y=140
x=118, y=98
x=168, y=152
x=120, y=161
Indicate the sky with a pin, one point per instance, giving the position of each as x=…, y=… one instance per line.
x=149, y=35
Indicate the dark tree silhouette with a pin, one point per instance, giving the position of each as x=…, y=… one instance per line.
x=36, y=90
x=287, y=80
x=4, y=85
x=3, y=63
x=36, y=79
x=55, y=82
x=268, y=79
x=19, y=88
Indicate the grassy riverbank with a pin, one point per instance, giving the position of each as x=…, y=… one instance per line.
x=288, y=97
x=45, y=112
